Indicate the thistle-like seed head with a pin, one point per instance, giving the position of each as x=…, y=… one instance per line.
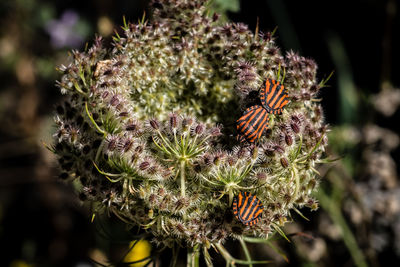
x=147, y=129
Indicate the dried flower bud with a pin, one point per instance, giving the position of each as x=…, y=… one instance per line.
x=114, y=100
x=269, y=149
x=261, y=176
x=181, y=228
x=242, y=152
x=231, y=160
x=152, y=170
x=152, y=199
x=139, y=149
x=215, y=131
x=154, y=124
x=288, y=139
x=215, y=17
x=298, y=118
x=105, y=94
x=295, y=126
x=132, y=127
x=187, y=122
x=134, y=157
x=181, y=203
x=278, y=149
x=287, y=198
x=199, y=129
x=112, y=143
x=127, y=145
x=161, y=191
x=173, y=121
x=284, y=162
x=144, y=165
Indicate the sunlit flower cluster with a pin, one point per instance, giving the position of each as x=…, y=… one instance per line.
x=147, y=128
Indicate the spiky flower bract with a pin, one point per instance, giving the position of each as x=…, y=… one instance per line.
x=146, y=130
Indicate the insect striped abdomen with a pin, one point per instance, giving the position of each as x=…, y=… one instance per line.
x=247, y=208
x=252, y=124
x=273, y=96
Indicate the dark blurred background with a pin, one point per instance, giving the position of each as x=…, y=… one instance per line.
x=43, y=224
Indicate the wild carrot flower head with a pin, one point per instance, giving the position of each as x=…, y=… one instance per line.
x=147, y=128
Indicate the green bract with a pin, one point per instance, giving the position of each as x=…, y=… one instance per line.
x=147, y=128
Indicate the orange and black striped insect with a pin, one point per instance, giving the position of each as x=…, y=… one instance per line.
x=247, y=208
x=273, y=96
x=252, y=124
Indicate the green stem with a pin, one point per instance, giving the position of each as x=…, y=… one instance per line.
x=77, y=88
x=207, y=257
x=104, y=133
x=166, y=142
x=193, y=256
x=246, y=172
x=230, y=197
x=275, y=248
x=231, y=261
x=246, y=251
x=176, y=140
x=183, y=182
x=224, y=253
x=99, y=150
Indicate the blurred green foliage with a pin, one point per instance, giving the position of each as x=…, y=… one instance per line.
x=222, y=6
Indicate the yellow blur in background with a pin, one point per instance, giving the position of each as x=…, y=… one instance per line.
x=140, y=250
x=20, y=263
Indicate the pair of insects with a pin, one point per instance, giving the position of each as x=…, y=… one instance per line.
x=255, y=120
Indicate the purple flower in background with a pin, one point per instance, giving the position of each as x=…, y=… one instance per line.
x=64, y=31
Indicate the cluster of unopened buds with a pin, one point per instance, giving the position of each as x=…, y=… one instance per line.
x=147, y=129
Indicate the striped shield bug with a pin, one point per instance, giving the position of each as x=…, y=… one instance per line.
x=247, y=208
x=273, y=96
x=252, y=124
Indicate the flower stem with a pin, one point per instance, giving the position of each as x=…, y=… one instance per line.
x=246, y=251
x=99, y=150
x=224, y=253
x=193, y=256
x=183, y=182
x=230, y=197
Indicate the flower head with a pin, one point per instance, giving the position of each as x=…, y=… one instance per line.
x=148, y=126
